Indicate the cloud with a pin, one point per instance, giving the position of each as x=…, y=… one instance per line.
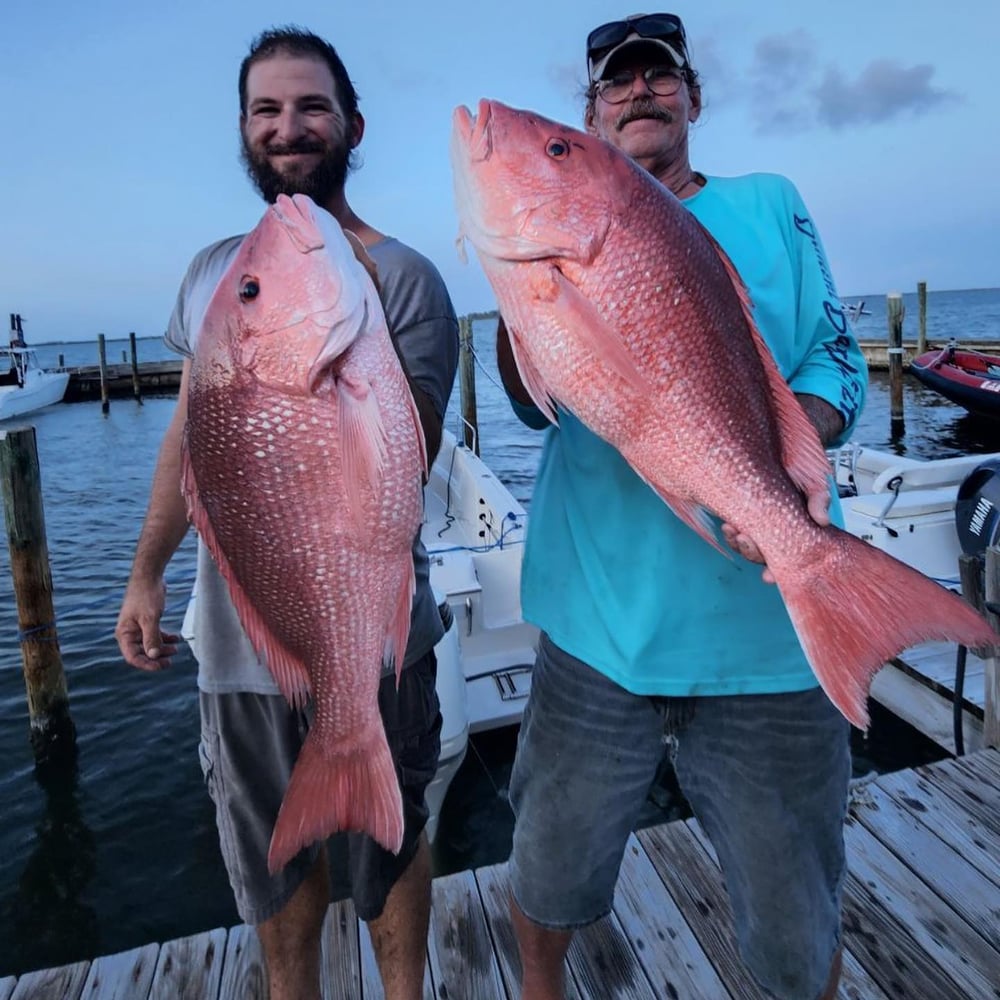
x=883, y=91
x=786, y=98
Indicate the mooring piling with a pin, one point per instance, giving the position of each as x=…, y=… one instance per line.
x=53, y=736
x=895, y=312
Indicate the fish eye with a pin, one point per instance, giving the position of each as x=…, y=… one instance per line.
x=249, y=289
x=558, y=149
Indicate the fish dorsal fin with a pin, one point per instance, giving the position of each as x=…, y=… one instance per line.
x=802, y=452
x=288, y=671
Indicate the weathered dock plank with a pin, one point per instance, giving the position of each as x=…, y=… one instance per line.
x=668, y=951
x=340, y=964
x=696, y=885
x=125, y=976
x=190, y=968
x=934, y=858
x=963, y=781
x=462, y=960
x=62, y=983
x=603, y=964
x=243, y=974
x=912, y=910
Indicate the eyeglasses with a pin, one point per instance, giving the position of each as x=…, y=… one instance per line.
x=662, y=26
x=661, y=80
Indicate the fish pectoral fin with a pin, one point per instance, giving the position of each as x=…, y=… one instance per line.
x=365, y=448
x=530, y=376
x=588, y=328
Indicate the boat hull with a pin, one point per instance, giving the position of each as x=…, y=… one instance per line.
x=41, y=388
x=968, y=378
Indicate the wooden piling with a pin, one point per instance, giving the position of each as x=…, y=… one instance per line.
x=102, y=362
x=991, y=667
x=62, y=361
x=922, y=317
x=53, y=736
x=894, y=312
x=467, y=384
x=136, y=389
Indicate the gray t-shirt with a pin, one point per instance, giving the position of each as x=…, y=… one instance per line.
x=423, y=323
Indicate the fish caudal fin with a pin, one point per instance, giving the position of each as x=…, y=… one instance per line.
x=866, y=607
x=356, y=790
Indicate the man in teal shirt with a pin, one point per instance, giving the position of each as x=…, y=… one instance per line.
x=650, y=636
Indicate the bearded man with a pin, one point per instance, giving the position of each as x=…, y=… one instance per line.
x=299, y=127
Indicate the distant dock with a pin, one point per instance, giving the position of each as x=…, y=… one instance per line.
x=165, y=376
x=155, y=377
x=876, y=352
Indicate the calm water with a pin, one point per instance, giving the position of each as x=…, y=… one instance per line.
x=126, y=852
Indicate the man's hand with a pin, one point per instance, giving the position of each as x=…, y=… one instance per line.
x=142, y=643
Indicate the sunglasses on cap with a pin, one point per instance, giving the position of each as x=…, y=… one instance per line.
x=665, y=27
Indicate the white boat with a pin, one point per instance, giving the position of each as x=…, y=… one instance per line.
x=24, y=385
x=906, y=506
x=474, y=534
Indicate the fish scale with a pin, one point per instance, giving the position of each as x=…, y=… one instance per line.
x=303, y=460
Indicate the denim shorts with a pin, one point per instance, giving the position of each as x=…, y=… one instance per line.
x=766, y=775
x=249, y=745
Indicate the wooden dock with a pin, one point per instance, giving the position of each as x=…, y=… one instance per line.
x=918, y=686
x=876, y=351
x=921, y=919
x=155, y=377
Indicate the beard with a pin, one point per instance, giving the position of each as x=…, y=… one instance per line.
x=319, y=183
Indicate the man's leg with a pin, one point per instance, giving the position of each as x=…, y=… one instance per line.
x=767, y=777
x=399, y=935
x=249, y=745
x=392, y=893
x=291, y=938
x=586, y=755
x=543, y=954
x=833, y=983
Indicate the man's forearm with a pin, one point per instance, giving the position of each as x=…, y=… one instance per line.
x=825, y=418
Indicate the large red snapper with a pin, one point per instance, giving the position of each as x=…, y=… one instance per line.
x=302, y=465
x=623, y=309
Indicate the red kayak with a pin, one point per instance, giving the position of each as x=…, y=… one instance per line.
x=968, y=378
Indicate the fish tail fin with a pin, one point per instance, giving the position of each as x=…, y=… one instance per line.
x=865, y=608
x=356, y=790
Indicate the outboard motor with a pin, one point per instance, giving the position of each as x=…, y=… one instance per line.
x=977, y=509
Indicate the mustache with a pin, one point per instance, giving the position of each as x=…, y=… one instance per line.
x=643, y=107
x=292, y=148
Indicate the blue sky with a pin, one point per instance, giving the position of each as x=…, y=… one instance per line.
x=119, y=158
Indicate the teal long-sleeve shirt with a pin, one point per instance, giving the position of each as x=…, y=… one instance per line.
x=610, y=573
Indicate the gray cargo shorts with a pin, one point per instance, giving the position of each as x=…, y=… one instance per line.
x=766, y=775
x=249, y=745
